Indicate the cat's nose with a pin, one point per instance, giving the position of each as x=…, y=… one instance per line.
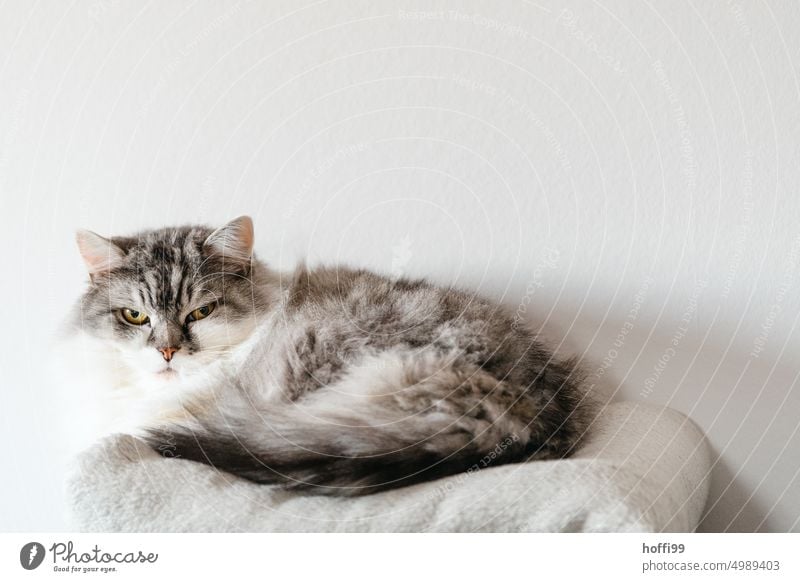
x=168, y=352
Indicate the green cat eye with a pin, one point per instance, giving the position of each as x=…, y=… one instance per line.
x=134, y=317
x=201, y=312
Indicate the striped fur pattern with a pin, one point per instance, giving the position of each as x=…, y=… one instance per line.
x=166, y=274
x=337, y=381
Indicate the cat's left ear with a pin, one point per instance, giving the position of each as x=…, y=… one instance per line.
x=233, y=242
x=99, y=253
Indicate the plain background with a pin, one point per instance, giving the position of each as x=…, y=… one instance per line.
x=623, y=174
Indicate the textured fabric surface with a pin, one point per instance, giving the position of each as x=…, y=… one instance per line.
x=642, y=468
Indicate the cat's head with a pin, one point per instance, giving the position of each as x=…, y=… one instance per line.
x=171, y=301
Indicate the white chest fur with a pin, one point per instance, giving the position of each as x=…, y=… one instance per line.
x=100, y=394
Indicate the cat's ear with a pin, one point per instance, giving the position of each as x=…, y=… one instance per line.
x=233, y=242
x=99, y=253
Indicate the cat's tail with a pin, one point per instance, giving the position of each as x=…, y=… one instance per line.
x=391, y=422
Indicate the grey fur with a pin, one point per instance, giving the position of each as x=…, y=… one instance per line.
x=166, y=271
x=357, y=382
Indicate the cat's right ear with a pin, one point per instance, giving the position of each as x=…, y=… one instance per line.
x=99, y=253
x=233, y=242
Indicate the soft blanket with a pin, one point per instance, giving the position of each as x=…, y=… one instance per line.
x=642, y=468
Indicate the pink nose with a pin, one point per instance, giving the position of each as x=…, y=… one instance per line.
x=167, y=353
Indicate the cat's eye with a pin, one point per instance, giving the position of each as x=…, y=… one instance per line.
x=134, y=317
x=201, y=312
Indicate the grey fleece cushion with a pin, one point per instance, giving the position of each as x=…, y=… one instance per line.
x=642, y=468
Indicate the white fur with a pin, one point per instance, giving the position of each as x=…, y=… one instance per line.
x=105, y=388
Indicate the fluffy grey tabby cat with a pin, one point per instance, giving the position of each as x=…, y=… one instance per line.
x=335, y=379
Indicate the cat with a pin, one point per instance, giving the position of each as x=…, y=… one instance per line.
x=333, y=380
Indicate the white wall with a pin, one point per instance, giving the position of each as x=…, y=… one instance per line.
x=627, y=166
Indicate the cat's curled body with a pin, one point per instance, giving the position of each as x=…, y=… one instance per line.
x=342, y=380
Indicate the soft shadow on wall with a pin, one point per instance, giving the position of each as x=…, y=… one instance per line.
x=745, y=401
